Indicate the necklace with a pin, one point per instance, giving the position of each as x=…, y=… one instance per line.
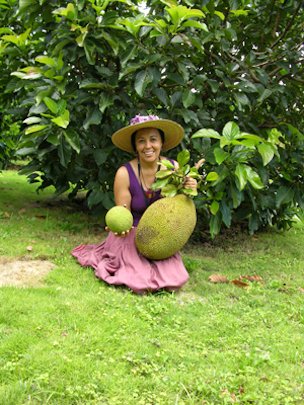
x=147, y=191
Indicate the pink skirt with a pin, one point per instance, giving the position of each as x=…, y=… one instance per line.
x=117, y=262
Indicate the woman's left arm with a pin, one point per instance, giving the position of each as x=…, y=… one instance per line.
x=190, y=183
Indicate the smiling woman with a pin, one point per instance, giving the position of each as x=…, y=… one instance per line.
x=116, y=260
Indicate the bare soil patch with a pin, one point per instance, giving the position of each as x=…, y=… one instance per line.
x=24, y=273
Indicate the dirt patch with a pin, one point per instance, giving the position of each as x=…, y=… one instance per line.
x=24, y=273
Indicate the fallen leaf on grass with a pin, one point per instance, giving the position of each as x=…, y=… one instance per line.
x=40, y=216
x=218, y=278
x=239, y=283
x=301, y=290
x=225, y=392
x=252, y=278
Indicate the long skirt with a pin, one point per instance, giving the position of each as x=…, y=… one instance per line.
x=117, y=261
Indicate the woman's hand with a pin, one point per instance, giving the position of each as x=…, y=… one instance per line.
x=190, y=183
x=122, y=234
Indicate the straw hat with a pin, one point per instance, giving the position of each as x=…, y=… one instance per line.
x=173, y=132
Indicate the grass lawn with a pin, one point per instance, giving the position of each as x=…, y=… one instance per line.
x=76, y=340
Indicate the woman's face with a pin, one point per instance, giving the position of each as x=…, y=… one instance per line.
x=148, y=144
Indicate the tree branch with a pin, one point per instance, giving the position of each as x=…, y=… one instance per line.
x=245, y=68
x=271, y=62
x=288, y=26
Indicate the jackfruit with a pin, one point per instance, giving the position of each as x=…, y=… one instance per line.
x=119, y=219
x=165, y=227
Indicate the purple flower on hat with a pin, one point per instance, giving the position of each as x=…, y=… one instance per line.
x=138, y=119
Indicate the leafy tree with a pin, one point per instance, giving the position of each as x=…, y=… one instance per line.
x=83, y=68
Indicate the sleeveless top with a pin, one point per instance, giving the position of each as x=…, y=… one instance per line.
x=138, y=200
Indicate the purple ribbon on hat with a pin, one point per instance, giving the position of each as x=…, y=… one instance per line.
x=138, y=119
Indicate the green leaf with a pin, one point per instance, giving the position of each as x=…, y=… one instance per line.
x=142, y=79
x=195, y=24
x=91, y=84
x=95, y=197
x=51, y=105
x=92, y=118
x=188, y=98
x=214, y=207
x=212, y=176
x=63, y=120
x=254, y=138
x=105, y=101
x=206, y=133
x=34, y=128
x=183, y=158
x=167, y=164
x=215, y=225
x=189, y=192
x=100, y=156
x=284, y=195
x=64, y=152
x=170, y=190
x=265, y=94
x=220, y=15
x=61, y=105
x=46, y=60
x=220, y=155
x=266, y=151
x=73, y=139
x=90, y=53
x=253, y=178
x=242, y=100
x=226, y=213
x=130, y=68
x=194, y=174
x=241, y=174
x=237, y=196
x=32, y=120
x=231, y=130
x=160, y=183
x=274, y=136
x=238, y=13
x=253, y=223
x=69, y=12
x=31, y=73
x=111, y=41
x=23, y=4
x=81, y=38
x=54, y=139
x=163, y=173
x=161, y=95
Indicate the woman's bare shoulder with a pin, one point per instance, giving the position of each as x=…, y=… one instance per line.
x=122, y=171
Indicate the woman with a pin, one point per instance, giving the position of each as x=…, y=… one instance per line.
x=116, y=260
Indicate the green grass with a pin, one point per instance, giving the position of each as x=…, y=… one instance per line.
x=78, y=341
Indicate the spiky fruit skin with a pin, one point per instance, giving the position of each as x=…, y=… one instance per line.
x=119, y=219
x=165, y=227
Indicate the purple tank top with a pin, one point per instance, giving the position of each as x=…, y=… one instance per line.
x=138, y=203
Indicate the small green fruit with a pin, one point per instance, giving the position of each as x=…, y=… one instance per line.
x=119, y=219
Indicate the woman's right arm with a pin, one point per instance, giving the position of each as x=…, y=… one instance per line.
x=122, y=195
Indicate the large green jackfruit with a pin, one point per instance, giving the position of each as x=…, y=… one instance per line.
x=165, y=227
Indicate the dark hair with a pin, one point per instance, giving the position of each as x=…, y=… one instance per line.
x=162, y=135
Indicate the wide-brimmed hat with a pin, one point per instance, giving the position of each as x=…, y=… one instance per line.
x=173, y=132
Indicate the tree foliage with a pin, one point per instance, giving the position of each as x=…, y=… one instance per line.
x=80, y=70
